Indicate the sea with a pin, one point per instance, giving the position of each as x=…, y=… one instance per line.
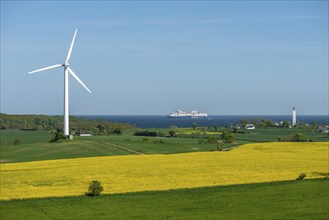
x=162, y=121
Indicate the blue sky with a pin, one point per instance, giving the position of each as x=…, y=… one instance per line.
x=223, y=58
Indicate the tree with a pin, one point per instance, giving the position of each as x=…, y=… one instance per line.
x=194, y=125
x=117, y=131
x=299, y=138
x=172, y=133
x=243, y=122
x=285, y=124
x=94, y=188
x=227, y=137
x=17, y=142
x=216, y=127
x=59, y=135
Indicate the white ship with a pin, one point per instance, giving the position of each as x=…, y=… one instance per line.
x=192, y=114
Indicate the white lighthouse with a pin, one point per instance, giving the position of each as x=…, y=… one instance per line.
x=294, y=113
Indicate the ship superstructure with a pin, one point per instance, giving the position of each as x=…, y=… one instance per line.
x=192, y=114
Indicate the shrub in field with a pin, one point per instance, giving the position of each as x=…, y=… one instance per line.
x=295, y=138
x=172, y=133
x=17, y=141
x=117, y=131
x=159, y=141
x=146, y=133
x=161, y=134
x=94, y=188
x=299, y=138
x=227, y=137
x=301, y=176
x=146, y=139
x=58, y=136
x=194, y=125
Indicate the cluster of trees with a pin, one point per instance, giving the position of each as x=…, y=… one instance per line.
x=154, y=133
x=55, y=123
x=299, y=137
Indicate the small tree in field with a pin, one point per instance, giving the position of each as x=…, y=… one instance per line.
x=227, y=137
x=194, y=125
x=299, y=138
x=172, y=133
x=94, y=188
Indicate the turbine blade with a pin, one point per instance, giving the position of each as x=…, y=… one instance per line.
x=77, y=78
x=46, y=68
x=70, y=50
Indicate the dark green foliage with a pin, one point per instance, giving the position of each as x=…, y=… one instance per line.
x=208, y=140
x=117, y=131
x=285, y=124
x=17, y=142
x=95, y=188
x=59, y=135
x=146, y=139
x=194, y=125
x=48, y=123
x=301, y=176
x=172, y=133
x=161, y=134
x=146, y=133
x=299, y=138
x=227, y=137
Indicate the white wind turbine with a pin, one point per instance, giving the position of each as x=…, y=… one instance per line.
x=67, y=70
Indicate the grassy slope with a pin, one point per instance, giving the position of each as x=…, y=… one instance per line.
x=307, y=199
x=35, y=144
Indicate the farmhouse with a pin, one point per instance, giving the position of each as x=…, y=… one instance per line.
x=250, y=126
x=323, y=129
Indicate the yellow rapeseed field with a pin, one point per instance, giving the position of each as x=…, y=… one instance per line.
x=251, y=163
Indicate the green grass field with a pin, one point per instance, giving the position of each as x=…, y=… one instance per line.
x=35, y=145
x=306, y=199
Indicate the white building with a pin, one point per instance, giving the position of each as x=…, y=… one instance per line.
x=294, y=114
x=250, y=126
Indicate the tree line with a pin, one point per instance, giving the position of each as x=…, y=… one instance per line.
x=51, y=123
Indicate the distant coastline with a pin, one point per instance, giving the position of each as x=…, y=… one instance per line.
x=162, y=121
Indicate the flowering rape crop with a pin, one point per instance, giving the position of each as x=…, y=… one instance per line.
x=251, y=163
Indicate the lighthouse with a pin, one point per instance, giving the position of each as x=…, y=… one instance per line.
x=294, y=113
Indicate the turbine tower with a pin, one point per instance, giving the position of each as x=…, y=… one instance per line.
x=67, y=70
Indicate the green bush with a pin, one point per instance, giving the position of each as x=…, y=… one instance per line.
x=146, y=133
x=94, y=188
x=295, y=138
x=59, y=135
x=227, y=137
x=172, y=133
x=117, y=131
x=299, y=138
x=146, y=139
x=17, y=141
x=301, y=176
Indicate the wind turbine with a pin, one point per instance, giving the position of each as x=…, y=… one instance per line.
x=67, y=70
